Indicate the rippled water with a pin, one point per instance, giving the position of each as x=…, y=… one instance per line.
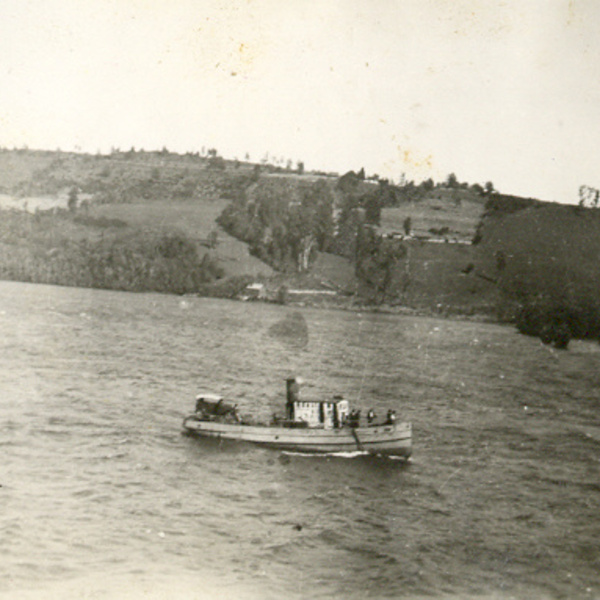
x=103, y=497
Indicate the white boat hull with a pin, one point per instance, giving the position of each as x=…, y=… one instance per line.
x=389, y=439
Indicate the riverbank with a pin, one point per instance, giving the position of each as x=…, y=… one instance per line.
x=150, y=248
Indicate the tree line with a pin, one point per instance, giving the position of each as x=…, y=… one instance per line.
x=283, y=225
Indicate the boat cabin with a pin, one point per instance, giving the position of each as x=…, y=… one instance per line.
x=328, y=414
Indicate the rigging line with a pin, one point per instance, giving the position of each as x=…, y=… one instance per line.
x=366, y=364
x=362, y=381
x=363, y=376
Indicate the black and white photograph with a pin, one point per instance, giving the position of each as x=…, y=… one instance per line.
x=300, y=299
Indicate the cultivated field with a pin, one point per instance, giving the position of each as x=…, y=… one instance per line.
x=196, y=220
x=461, y=218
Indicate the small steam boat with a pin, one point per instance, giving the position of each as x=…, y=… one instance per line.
x=312, y=426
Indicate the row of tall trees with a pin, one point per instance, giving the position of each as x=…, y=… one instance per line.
x=285, y=223
x=283, y=226
x=379, y=264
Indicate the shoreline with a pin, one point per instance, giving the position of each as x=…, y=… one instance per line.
x=350, y=306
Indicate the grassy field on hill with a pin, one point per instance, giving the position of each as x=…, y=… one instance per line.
x=546, y=260
x=437, y=212
x=437, y=281
x=196, y=221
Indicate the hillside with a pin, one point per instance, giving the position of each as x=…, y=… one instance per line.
x=201, y=224
x=546, y=260
x=542, y=243
x=197, y=222
x=141, y=221
x=158, y=192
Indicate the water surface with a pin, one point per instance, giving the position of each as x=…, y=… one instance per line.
x=103, y=497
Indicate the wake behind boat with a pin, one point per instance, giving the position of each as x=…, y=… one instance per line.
x=313, y=426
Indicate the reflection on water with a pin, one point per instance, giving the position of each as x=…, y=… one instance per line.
x=102, y=496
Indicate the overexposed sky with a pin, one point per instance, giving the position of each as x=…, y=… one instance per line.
x=500, y=90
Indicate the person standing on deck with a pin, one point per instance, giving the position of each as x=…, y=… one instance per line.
x=293, y=395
